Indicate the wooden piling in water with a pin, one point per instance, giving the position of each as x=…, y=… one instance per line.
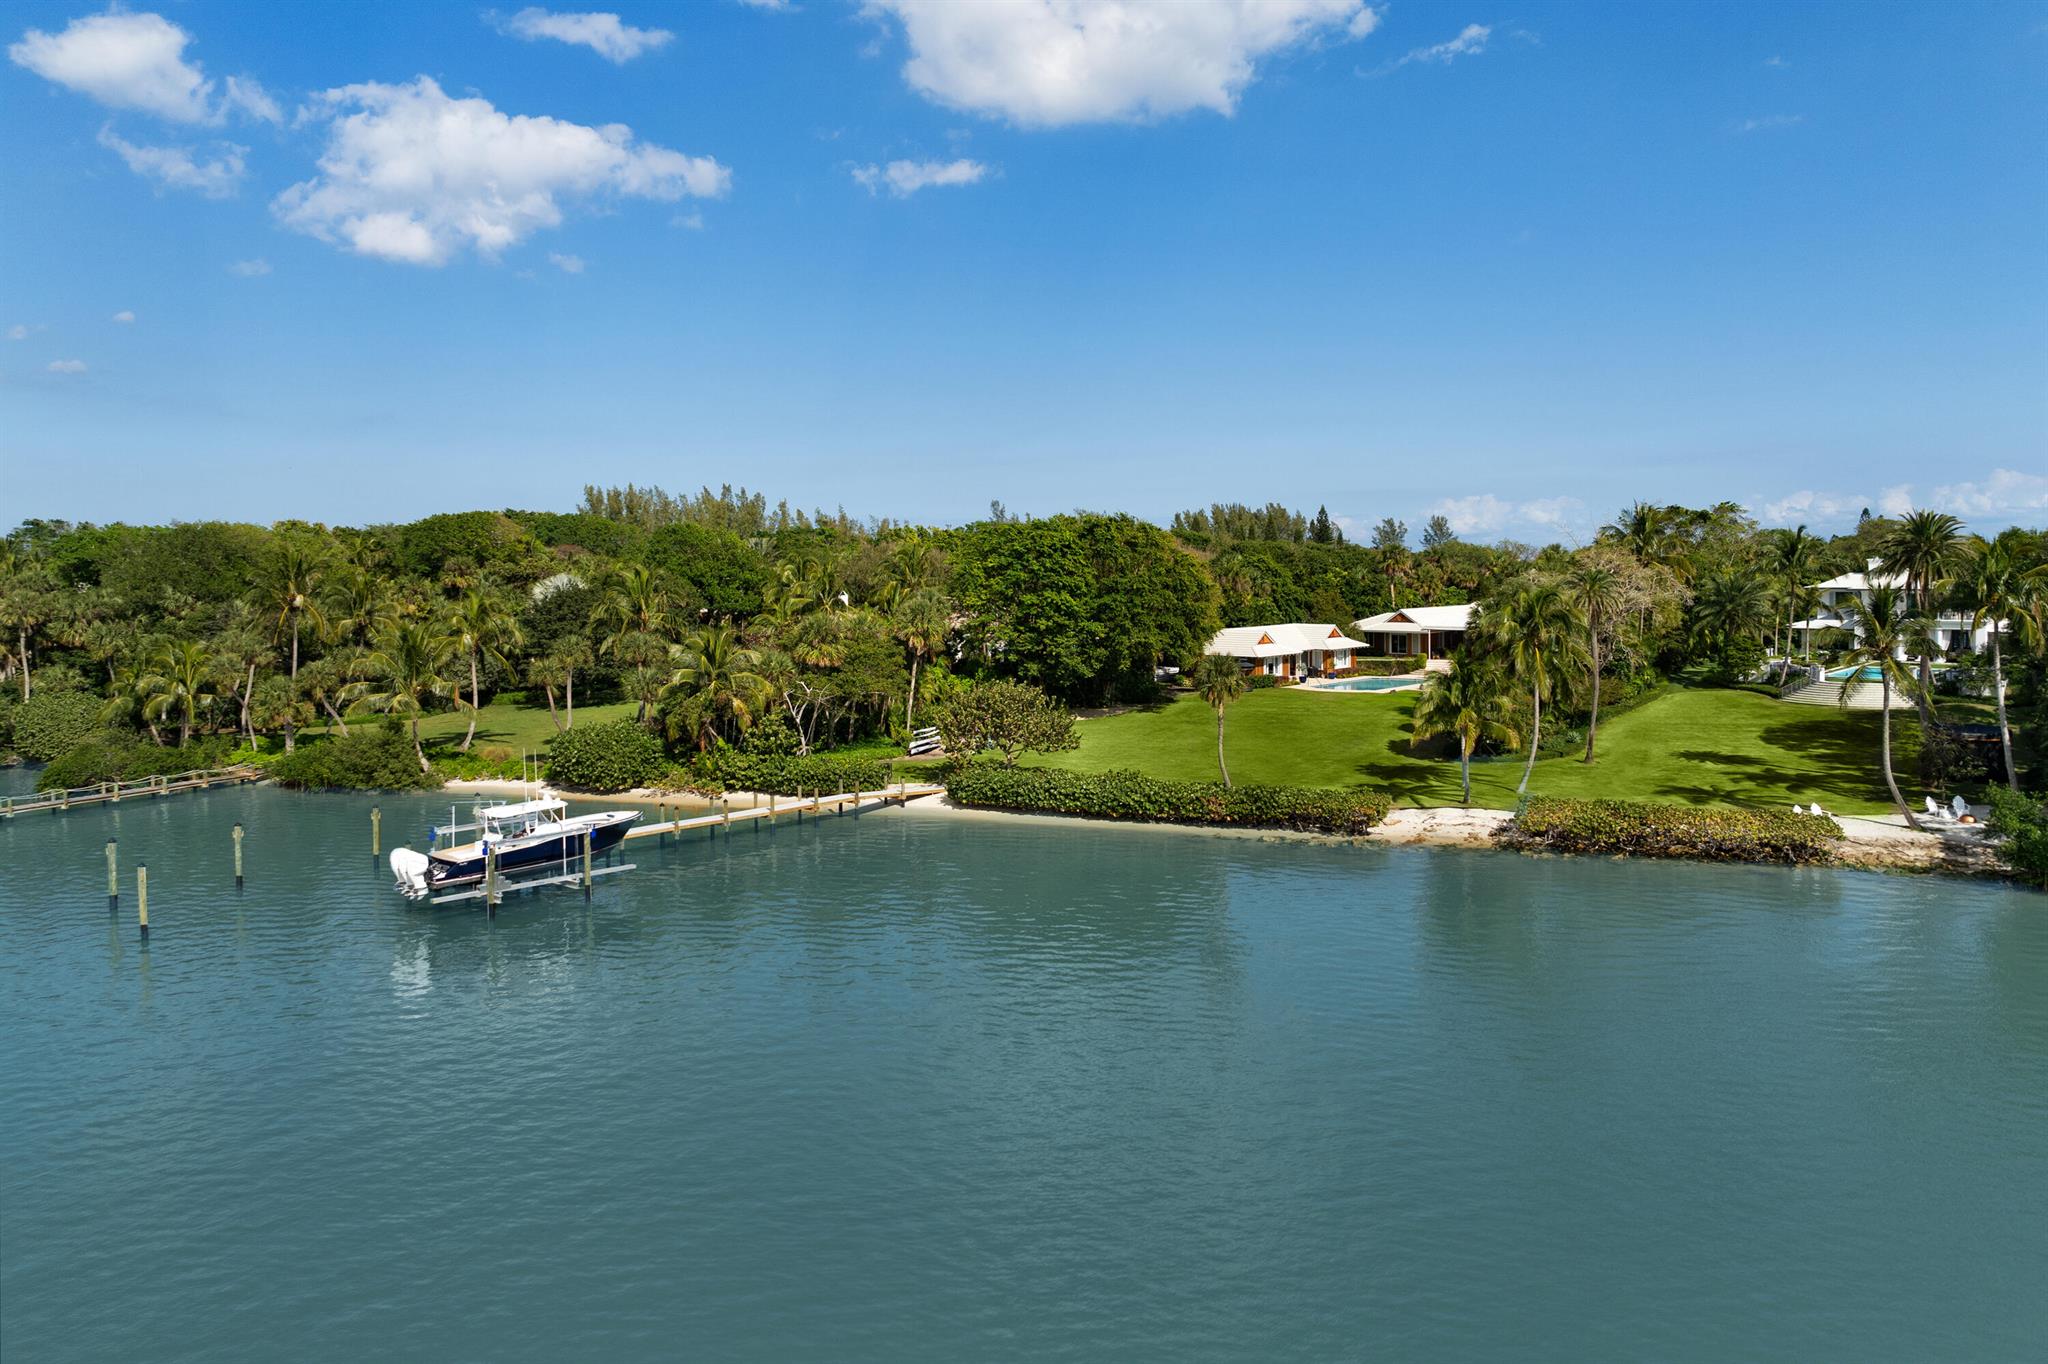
x=142, y=896
x=586, y=865
x=113, y=878
x=238, y=857
x=376, y=834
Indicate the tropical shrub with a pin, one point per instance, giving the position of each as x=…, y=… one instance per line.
x=1013, y=718
x=52, y=723
x=116, y=755
x=786, y=774
x=1260, y=682
x=615, y=756
x=1381, y=667
x=2023, y=823
x=7, y=709
x=1643, y=829
x=379, y=759
x=1134, y=796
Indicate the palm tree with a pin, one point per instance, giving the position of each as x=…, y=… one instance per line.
x=1471, y=702
x=718, y=675
x=1594, y=589
x=289, y=591
x=241, y=644
x=180, y=680
x=547, y=672
x=1923, y=549
x=333, y=682
x=1885, y=629
x=1730, y=604
x=921, y=623
x=29, y=600
x=480, y=627
x=635, y=604
x=410, y=661
x=359, y=604
x=1536, y=632
x=1998, y=591
x=1793, y=557
x=1220, y=681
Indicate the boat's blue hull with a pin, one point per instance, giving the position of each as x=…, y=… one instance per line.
x=529, y=854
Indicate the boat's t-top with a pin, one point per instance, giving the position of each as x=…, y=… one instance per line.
x=528, y=816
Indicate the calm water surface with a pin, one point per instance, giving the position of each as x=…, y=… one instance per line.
x=916, y=1088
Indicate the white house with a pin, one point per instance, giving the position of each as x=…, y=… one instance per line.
x=1952, y=630
x=1414, y=631
x=1293, y=650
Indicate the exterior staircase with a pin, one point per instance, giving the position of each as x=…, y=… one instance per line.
x=1862, y=696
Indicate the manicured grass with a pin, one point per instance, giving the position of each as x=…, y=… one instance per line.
x=519, y=728
x=1689, y=747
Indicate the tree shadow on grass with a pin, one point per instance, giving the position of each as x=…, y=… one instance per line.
x=1823, y=758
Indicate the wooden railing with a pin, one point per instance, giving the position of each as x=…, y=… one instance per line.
x=113, y=792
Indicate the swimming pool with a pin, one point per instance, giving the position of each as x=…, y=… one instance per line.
x=1368, y=684
x=1869, y=674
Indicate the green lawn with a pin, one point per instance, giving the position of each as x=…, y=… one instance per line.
x=519, y=728
x=1688, y=747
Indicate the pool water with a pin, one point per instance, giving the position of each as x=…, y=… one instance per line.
x=1370, y=684
x=1863, y=674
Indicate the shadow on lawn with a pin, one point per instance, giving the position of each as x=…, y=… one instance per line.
x=1833, y=757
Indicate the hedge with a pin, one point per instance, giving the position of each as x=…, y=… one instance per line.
x=616, y=755
x=2023, y=821
x=52, y=723
x=1643, y=829
x=786, y=775
x=1381, y=667
x=366, y=760
x=1134, y=796
x=116, y=755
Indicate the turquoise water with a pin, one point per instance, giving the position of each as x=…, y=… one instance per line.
x=1870, y=674
x=1370, y=683
x=912, y=1088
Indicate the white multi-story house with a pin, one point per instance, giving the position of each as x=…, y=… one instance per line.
x=1953, y=632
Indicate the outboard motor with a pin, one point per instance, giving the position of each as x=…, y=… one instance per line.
x=410, y=870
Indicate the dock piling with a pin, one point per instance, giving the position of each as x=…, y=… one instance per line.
x=376, y=834
x=586, y=865
x=142, y=897
x=490, y=880
x=238, y=857
x=113, y=878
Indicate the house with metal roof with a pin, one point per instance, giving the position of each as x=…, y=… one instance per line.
x=1292, y=650
x=1414, y=631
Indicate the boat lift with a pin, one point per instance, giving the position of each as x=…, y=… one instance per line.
x=498, y=883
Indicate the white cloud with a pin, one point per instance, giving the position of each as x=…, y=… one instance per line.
x=2006, y=492
x=783, y=5
x=67, y=367
x=1470, y=42
x=136, y=61
x=1776, y=61
x=216, y=177
x=1770, y=121
x=411, y=174
x=19, y=331
x=692, y=220
x=567, y=264
x=1483, y=513
x=1047, y=63
x=603, y=34
x=249, y=269
x=1811, y=507
x=1896, y=500
x=125, y=315
x=905, y=178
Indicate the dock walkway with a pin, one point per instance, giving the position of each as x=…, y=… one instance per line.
x=843, y=803
x=114, y=792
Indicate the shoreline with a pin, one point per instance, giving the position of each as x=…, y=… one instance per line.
x=1870, y=842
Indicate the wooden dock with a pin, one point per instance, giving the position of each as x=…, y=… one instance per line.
x=113, y=793
x=848, y=802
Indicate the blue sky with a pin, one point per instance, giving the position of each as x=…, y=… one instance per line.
x=1520, y=267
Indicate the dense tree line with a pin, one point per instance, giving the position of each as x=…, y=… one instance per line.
x=723, y=620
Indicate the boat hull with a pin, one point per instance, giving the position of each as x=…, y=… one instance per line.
x=530, y=851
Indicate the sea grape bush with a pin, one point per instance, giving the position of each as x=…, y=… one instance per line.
x=1644, y=829
x=52, y=723
x=787, y=775
x=614, y=756
x=1134, y=796
x=377, y=759
x=2023, y=823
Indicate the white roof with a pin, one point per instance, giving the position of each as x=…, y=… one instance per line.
x=524, y=808
x=1413, y=620
x=1818, y=623
x=1278, y=641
